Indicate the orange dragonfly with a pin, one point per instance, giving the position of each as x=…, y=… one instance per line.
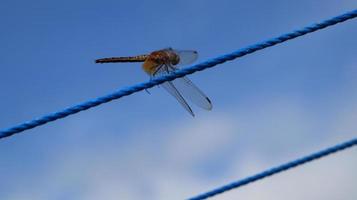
x=165, y=61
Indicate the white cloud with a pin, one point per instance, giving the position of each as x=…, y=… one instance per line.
x=329, y=178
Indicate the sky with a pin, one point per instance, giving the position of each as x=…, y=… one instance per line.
x=268, y=108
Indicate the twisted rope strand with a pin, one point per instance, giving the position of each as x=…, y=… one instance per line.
x=180, y=73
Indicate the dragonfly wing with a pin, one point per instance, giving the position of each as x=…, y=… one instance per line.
x=191, y=92
x=169, y=87
x=186, y=56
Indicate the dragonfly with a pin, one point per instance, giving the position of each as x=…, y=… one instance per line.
x=166, y=61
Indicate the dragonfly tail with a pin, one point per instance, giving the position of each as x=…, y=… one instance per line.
x=140, y=58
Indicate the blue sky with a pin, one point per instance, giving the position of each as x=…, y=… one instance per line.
x=268, y=107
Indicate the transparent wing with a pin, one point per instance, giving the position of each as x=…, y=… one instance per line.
x=186, y=56
x=182, y=88
x=191, y=92
x=169, y=87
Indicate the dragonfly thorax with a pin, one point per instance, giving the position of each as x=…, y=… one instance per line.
x=160, y=58
x=165, y=56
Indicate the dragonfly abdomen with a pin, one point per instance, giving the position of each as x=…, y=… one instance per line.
x=140, y=58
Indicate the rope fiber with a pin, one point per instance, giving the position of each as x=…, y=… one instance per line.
x=179, y=73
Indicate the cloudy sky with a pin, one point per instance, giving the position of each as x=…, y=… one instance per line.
x=268, y=108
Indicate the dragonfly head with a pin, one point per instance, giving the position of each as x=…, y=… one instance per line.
x=173, y=57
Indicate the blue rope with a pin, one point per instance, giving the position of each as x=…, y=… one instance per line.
x=180, y=73
x=278, y=169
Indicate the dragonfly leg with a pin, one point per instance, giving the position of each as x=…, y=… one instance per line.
x=157, y=70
